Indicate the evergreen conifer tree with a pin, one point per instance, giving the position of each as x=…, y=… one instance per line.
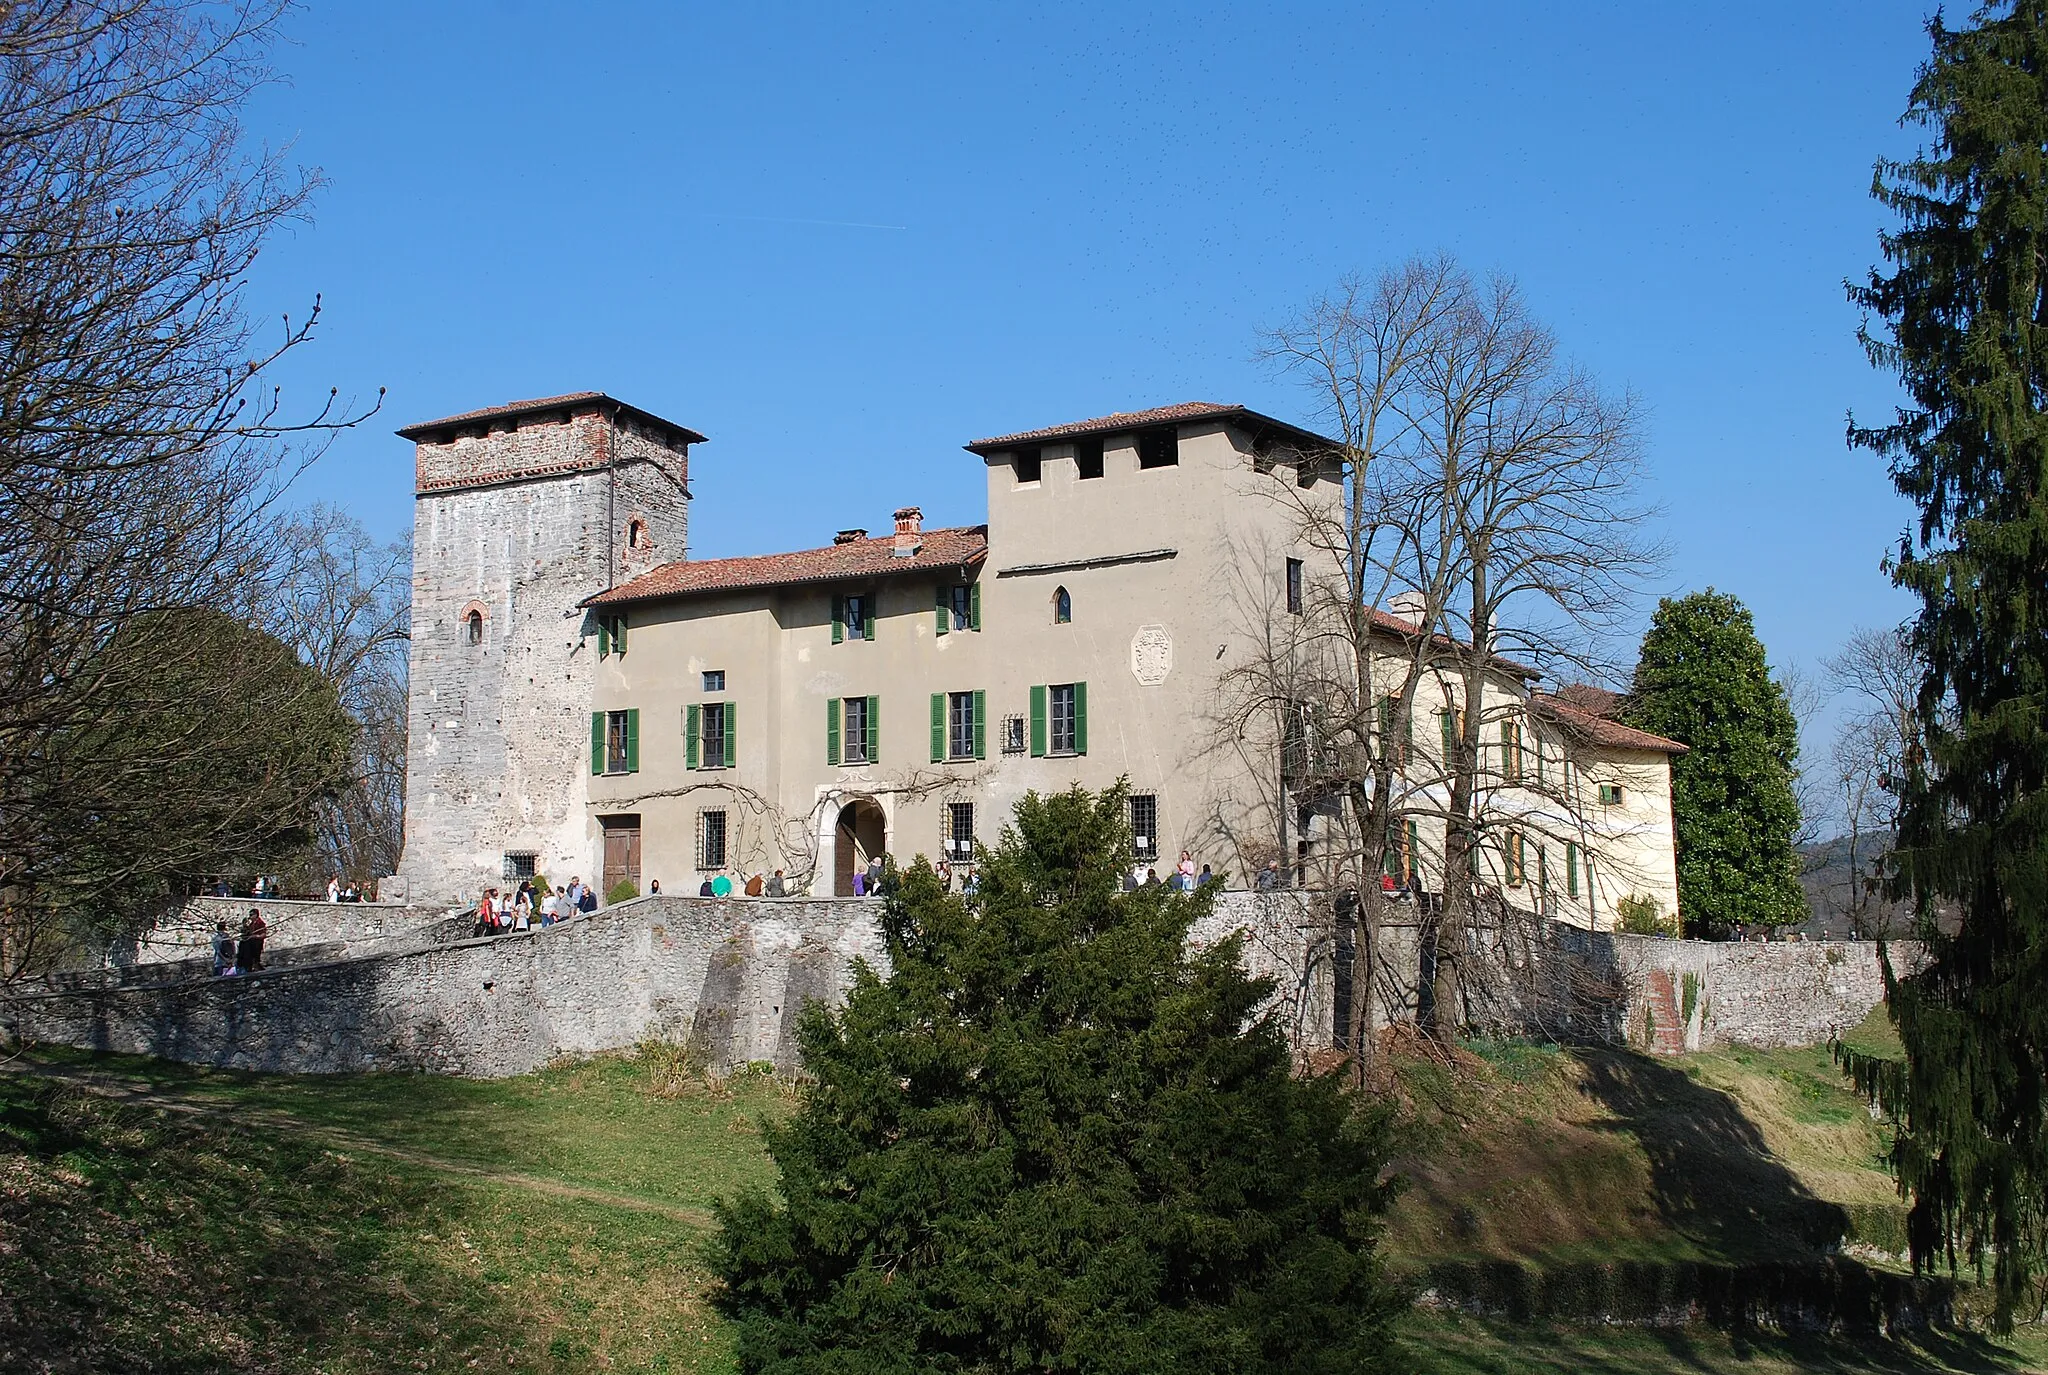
x=1702, y=680
x=1964, y=320
x=1055, y=1138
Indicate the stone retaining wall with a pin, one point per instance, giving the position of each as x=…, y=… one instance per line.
x=187, y=932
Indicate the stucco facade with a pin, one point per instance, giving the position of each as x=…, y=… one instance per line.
x=656, y=718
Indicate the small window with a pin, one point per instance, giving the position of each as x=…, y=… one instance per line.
x=611, y=633
x=618, y=742
x=711, y=839
x=961, y=601
x=1062, y=606
x=1513, y=851
x=714, y=680
x=1026, y=464
x=1159, y=448
x=1145, y=826
x=856, y=614
x=960, y=725
x=1060, y=717
x=712, y=741
x=521, y=864
x=853, y=747
x=1610, y=794
x=1294, y=587
x=474, y=624
x=959, y=835
x=636, y=534
x=1511, y=751
x=1088, y=458
x=1013, y=733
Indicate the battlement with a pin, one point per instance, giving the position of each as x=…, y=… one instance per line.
x=522, y=441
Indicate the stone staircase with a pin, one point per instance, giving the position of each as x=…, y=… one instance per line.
x=1667, y=1032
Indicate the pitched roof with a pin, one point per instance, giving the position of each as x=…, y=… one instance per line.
x=544, y=403
x=953, y=547
x=1588, y=711
x=1138, y=420
x=1407, y=630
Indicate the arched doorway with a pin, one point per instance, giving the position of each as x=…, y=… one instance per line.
x=859, y=837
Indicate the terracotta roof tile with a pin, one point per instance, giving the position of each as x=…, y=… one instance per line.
x=951, y=547
x=1587, y=711
x=543, y=403
x=1138, y=420
x=1395, y=625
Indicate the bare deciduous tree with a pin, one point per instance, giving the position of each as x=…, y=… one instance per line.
x=1876, y=744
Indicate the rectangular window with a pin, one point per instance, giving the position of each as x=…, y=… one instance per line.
x=959, y=835
x=1060, y=703
x=711, y=839
x=1571, y=780
x=1514, y=859
x=1511, y=751
x=714, y=680
x=1454, y=726
x=711, y=737
x=960, y=724
x=611, y=633
x=521, y=864
x=1013, y=733
x=1610, y=794
x=1088, y=458
x=854, y=615
x=855, y=747
x=1571, y=869
x=1159, y=448
x=1025, y=464
x=1145, y=825
x=621, y=741
x=1294, y=587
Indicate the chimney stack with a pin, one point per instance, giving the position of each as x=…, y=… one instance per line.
x=909, y=531
x=849, y=536
x=1409, y=606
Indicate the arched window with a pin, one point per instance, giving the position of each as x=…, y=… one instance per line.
x=1062, y=606
x=474, y=623
x=636, y=534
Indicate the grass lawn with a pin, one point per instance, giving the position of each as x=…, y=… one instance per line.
x=181, y=1220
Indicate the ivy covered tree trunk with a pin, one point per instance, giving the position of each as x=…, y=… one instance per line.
x=1703, y=681
x=1961, y=319
x=1055, y=1138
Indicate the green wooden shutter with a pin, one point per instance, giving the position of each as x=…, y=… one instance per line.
x=944, y=609
x=597, y=742
x=633, y=740
x=604, y=636
x=1080, y=718
x=938, y=726
x=1386, y=725
x=1038, y=721
x=832, y=730
x=974, y=606
x=874, y=729
x=1571, y=869
x=619, y=632
x=838, y=619
x=867, y=620
x=1510, y=751
x=1450, y=737
x=693, y=726
x=980, y=724
x=1414, y=854
x=732, y=740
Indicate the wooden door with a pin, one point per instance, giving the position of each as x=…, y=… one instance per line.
x=621, y=852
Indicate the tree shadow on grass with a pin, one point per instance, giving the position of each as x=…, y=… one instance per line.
x=1713, y=1177
x=1467, y=1346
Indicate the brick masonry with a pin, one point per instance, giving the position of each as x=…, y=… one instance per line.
x=520, y=520
x=731, y=976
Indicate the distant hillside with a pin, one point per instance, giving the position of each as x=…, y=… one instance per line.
x=1825, y=875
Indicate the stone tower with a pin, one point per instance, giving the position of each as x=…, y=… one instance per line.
x=521, y=511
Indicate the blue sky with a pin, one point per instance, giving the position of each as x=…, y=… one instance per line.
x=842, y=241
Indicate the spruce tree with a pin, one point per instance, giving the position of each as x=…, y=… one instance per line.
x=1702, y=680
x=1056, y=1138
x=1961, y=321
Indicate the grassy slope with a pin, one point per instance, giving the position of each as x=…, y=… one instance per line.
x=228, y=1222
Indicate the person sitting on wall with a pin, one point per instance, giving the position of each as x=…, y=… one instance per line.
x=576, y=893
x=223, y=950
x=334, y=889
x=557, y=907
x=776, y=887
x=588, y=904
x=654, y=888
x=704, y=888
x=249, y=950
x=721, y=886
x=756, y=886
x=1205, y=878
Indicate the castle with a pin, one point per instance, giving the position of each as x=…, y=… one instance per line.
x=588, y=700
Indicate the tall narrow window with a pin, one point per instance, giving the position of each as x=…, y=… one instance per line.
x=475, y=624
x=854, y=750
x=1293, y=586
x=959, y=835
x=854, y=613
x=712, y=739
x=960, y=723
x=1088, y=458
x=1062, y=606
x=1145, y=825
x=711, y=839
x=1514, y=859
x=1060, y=706
x=1511, y=751
x=1571, y=869
x=621, y=741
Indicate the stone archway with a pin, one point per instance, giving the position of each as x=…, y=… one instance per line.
x=862, y=833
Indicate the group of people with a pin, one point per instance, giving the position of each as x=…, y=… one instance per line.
x=243, y=954
x=720, y=884
x=337, y=891
x=1183, y=879
x=526, y=907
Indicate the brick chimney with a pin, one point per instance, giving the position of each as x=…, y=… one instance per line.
x=909, y=531
x=849, y=536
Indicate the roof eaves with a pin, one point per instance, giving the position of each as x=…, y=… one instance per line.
x=537, y=405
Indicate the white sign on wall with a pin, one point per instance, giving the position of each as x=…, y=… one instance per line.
x=1151, y=655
